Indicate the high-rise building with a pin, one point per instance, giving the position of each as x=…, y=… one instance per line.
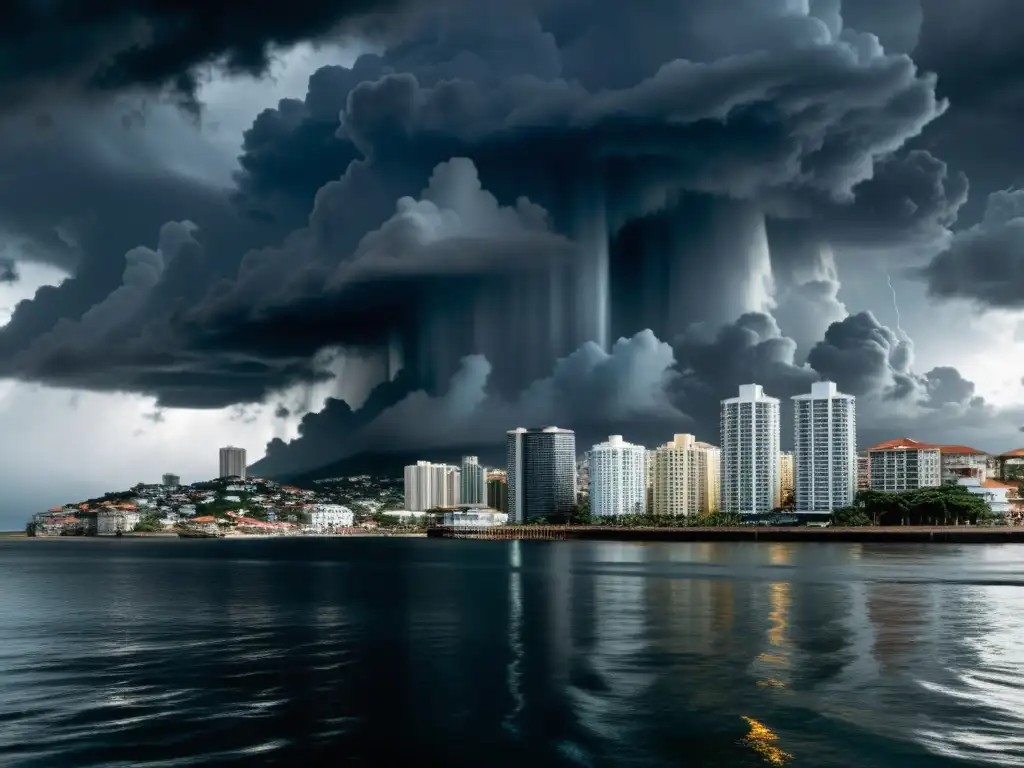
x=497, y=491
x=429, y=486
x=472, y=482
x=825, y=443
x=170, y=480
x=232, y=462
x=750, y=452
x=787, y=477
x=904, y=465
x=541, y=473
x=617, y=478
x=685, y=477
x=863, y=471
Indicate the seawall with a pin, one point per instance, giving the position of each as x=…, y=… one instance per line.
x=948, y=535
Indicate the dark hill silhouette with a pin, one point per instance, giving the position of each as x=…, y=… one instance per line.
x=393, y=464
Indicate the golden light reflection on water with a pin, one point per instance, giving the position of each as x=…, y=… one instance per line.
x=761, y=739
x=779, y=601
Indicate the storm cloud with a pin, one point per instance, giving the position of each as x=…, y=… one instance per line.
x=487, y=201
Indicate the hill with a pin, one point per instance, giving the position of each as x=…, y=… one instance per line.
x=393, y=464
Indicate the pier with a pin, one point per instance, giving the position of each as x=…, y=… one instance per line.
x=963, y=534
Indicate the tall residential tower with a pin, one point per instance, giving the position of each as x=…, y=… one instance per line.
x=617, y=478
x=429, y=486
x=825, y=449
x=232, y=462
x=750, y=452
x=472, y=482
x=541, y=473
x=685, y=477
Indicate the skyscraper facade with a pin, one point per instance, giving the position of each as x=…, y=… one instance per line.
x=825, y=449
x=541, y=473
x=472, y=482
x=685, y=477
x=232, y=462
x=429, y=486
x=170, y=480
x=750, y=452
x=617, y=478
x=497, y=491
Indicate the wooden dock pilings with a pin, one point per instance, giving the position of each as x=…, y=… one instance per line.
x=964, y=534
x=540, y=532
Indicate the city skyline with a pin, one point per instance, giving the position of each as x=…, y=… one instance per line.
x=202, y=253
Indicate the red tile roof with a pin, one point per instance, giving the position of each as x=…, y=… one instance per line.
x=1017, y=453
x=989, y=483
x=204, y=519
x=901, y=442
x=963, y=450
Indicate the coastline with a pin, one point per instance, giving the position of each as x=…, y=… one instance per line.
x=865, y=535
x=20, y=535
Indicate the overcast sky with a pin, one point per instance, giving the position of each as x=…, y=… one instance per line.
x=241, y=236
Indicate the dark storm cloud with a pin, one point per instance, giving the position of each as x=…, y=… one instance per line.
x=8, y=271
x=64, y=45
x=591, y=391
x=985, y=263
x=455, y=235
x=557, y=146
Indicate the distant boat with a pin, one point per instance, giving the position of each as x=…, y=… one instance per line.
x=200, y=534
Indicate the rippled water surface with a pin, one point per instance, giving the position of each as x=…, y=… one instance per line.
x=461, y=653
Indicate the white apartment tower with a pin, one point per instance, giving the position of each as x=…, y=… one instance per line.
x=473, y=482
x=232, y=462
x=617, y=478
x=685, y=477
x=750, y=452
x=428, y=486
x=825, y=449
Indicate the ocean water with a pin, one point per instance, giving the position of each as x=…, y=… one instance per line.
x=463, y=653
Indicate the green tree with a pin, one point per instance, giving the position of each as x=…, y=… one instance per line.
x=581, y=514
x=850, y=517
x=148, y=524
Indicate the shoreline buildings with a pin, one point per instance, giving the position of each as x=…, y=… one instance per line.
x=429, y=486
x=825, y=449
x=617, y=478
x=750, y=452
x=685, y=475
x=472, y=482
x=904, y=465
x=232, y=462
x=541, y=473
x=787, y=477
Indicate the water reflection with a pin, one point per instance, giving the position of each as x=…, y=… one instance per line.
x=543, y=653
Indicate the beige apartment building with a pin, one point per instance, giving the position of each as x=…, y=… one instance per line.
x=787, y=478
x=685, y=477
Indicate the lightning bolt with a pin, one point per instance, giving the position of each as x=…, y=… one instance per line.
x=895, y=303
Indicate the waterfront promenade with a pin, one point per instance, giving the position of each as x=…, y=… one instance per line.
x=964, y=534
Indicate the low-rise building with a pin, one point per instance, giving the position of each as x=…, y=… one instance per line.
x=474, y=518
x=995, y=493
x=1011, y=465
x=962, y=461
x=904, y=465
x=326, y=517
x=110, y=520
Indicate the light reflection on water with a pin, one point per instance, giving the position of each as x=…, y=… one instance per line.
x=551, y=653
